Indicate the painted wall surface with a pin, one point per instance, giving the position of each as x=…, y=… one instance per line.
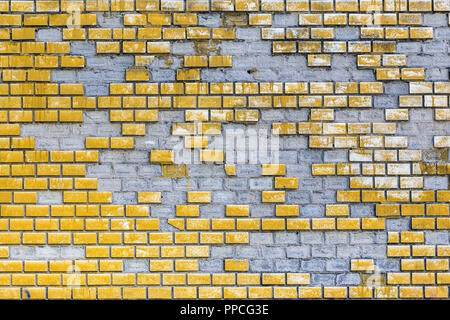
x=224, y=149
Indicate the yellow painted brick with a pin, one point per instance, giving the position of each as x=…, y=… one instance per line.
x=233, y=265
x=334, y=293
x=310, y=293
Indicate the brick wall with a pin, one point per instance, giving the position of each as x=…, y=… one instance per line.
x=117, y=179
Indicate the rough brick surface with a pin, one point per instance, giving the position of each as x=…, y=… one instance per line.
x=224, y=149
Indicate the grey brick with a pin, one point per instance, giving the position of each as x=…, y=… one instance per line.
x=347, y=34
x=335, y=156
x=49, y=197
x=323, y=197
x=50, y=35
x=348, y=251
x=284, y=20
x=387, y=265
x=373, y=251
x=222, y=197
x=310, y=184
x=338, y=183
x=397, y=224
